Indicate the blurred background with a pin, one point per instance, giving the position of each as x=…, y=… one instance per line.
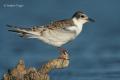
x=94, y=55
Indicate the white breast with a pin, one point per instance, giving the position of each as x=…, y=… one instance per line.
x=76, y=29
x=60, y=37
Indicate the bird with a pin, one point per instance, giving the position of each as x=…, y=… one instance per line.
x=56, y=33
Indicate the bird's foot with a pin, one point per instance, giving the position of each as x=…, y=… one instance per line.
x=62, y=49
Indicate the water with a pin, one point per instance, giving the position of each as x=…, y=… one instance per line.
x=94, y=55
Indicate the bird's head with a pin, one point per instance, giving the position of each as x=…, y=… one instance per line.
x=81, y=18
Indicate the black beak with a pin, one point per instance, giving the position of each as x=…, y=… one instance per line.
x=91, y=20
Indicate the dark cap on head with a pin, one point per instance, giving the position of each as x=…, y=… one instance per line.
x=77, y=14
x=81, y=15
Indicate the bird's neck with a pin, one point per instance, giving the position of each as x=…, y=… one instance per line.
x=78, y=25
x=77, y=22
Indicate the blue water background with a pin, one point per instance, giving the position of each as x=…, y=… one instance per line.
x=94, y=54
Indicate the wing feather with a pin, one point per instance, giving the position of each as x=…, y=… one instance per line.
x=60, y=24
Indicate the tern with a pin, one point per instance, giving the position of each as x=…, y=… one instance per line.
x=56, y=33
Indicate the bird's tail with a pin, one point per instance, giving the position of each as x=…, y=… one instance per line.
x=23, y=32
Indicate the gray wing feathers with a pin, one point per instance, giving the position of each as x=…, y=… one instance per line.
x=24, y=32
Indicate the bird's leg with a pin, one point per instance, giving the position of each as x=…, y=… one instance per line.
x=62, y=49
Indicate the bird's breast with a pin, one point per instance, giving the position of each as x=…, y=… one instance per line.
x=61, y=35
x=76, y=29
x=58, y=37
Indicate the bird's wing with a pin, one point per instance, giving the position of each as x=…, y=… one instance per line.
x=60, y=24
x=32, y=32
x=36, y=31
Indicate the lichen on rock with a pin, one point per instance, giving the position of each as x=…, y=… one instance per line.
x=20, y=72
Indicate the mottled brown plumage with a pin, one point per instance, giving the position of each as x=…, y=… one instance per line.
x=56, y=33
x=60, y=24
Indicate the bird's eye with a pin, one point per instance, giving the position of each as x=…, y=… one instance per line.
x=82, y=16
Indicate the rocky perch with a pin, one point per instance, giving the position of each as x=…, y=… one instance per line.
x=20, y=72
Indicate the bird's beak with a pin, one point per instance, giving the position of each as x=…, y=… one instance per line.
x=91, y=20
